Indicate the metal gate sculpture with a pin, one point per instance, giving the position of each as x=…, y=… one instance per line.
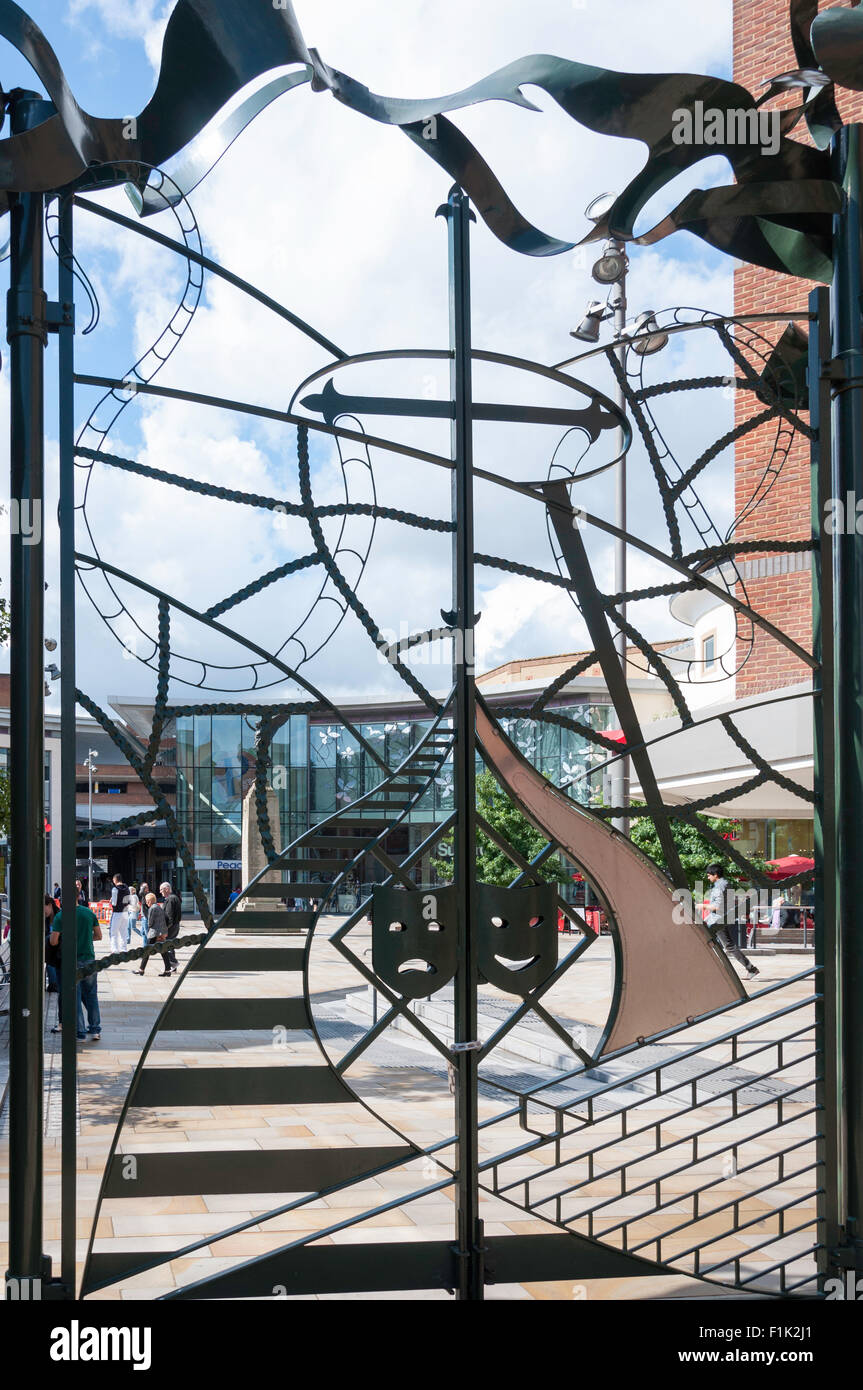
x=643, y=1157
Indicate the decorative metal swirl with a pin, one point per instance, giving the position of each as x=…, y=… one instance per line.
x=778, y=214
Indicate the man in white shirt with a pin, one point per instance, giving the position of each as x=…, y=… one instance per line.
x=716, y=917
x=119, y=915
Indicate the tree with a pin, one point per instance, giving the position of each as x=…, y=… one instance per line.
x=5, y=618
x=696, y=851
x=492, y=865
x=4, y=802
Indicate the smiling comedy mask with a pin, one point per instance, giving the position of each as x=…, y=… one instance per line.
x=517, y=936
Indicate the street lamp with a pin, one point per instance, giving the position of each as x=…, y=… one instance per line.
x=611, y=270
x=655, y=342
x=53, y=673
x=90, y=765
x=612, y=265
x=588, y=329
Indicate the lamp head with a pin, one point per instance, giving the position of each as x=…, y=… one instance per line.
x=646, y=323
x=599, y=209
x=612, y=264
x=588, y=329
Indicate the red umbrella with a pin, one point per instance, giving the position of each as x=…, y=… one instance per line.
x=789, y=866
x=615, y=735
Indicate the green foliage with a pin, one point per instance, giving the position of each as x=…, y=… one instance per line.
x=4, y=802
x=695, y=849
x=492, y=865
x=5, y=618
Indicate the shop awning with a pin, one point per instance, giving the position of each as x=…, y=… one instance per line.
x=789, y=866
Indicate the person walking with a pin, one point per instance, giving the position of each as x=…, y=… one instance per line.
x=173, y=917
x=716, y=918
x=157, y=928
x=143, y=894
x=82, y=896
x=119, y=915
x=52, y=955
x=87, y=930
x=133, y=909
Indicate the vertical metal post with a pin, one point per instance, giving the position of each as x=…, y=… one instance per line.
x=68, y=752
x=89, y=826
x=26, y=333
x=620, y=770
x=470, y=1242
x=828, y=1010
x=844, y=934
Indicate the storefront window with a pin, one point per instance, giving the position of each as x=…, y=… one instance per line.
x=789, y=837
x=227, y=740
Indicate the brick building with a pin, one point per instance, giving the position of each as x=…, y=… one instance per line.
x=778, y=586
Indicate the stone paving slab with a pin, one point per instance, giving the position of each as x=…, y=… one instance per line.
x=401, y=1078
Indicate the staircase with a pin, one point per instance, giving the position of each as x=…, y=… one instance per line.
x=258, y=993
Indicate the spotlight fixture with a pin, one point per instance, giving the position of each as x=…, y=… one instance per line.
x=612, y=264
x=646, y=323
x=53, y=672
x=50, y=644
x=588, y=329
x=599, y=209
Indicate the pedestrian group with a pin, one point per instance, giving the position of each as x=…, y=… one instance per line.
x=133, y=908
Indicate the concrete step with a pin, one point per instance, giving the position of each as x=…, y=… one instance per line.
x=523, y=1042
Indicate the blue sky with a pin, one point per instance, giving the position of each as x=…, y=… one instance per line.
x=335, y=217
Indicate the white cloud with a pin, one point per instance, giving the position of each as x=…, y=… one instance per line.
x=334, y=216
x=144, y=20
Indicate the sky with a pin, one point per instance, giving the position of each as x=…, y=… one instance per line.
x=334, y=216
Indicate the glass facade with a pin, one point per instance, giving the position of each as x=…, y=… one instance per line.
x=318, y=769
x=215, y=760
x=774, y=839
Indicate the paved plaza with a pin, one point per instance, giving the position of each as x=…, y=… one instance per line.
x=404, y=1084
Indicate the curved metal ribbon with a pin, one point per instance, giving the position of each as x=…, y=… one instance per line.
x=822, y=114
x=211, y=51
x=837, y=44
x=778, y=214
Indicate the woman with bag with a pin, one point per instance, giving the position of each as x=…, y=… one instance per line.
x=157, y=926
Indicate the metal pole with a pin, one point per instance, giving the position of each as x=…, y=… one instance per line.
x=470, y=1238
x=68, y=848
x=830, y=1144
x=89, y=827
x=620, y=771
x=844, y=935
x=26, y=333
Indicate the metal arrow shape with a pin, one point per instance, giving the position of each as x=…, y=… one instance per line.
x=330, y=403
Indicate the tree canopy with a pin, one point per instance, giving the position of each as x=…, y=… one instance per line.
x=492, y=864
x=696, y=851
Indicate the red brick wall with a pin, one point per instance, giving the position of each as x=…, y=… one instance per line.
x=762, y=49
